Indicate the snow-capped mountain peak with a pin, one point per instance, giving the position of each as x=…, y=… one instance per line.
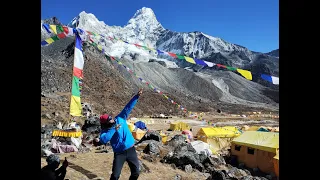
x=147, y=12
x=145, y=19
x=143, y=28
x=89, y=22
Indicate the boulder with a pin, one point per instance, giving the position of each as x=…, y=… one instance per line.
x=86, y=109
x=46, y=132
x=188, y=168
x=152, y=148
x=177, y=177
x=203, y=156
x=45, y=152
x=141, y=146
x=92, y=125
x=177, y=140
x=236, y=173
x=214, y=160
x=217, y=175
x=184, y=154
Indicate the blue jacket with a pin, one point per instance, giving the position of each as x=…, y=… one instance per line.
x=122, y=138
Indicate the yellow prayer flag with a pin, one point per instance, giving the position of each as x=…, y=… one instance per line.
x=54, y=28
x=245, y=73
x=75, y=106
x=189, y=59
x=49, y=41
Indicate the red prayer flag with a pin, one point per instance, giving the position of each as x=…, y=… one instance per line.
x=173, y=55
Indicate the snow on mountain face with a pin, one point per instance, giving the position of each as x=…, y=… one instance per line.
x=200, y=45
x=89, y=22
x=196, y=44
x=223, y=86
x=143, y=28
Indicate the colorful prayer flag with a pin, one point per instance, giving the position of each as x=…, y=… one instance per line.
x=75, y=103
x=245, y=73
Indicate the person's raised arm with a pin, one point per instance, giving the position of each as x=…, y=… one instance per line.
x=128, y=108
x=107, y=135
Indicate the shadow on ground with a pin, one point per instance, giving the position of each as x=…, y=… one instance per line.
x=83, y=171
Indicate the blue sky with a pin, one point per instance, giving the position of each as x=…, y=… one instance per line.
x=250, y=23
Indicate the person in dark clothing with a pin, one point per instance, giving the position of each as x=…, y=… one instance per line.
x=117, y=132
x=49, y=171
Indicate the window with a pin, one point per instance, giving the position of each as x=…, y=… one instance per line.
x=237, y=148
x=250, y=151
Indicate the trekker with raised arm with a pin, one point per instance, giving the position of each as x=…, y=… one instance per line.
x=117, y=132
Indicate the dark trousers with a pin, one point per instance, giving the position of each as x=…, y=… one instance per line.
x=129, y=155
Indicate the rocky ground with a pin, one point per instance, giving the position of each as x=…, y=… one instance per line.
x=176, y=160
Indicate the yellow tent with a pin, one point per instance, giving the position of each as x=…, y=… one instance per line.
x=164, y=137
x=218, y=138
x=257, y=149
x=138, y=134
x=276, y=163
x=266, y=141
x=227, y=131
x=277, y=155
x=179, y=126
x=131, y=126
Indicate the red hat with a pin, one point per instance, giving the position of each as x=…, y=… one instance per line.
x=105, y=118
